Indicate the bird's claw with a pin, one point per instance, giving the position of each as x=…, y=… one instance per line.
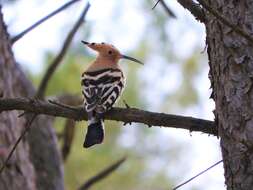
x=125, y=123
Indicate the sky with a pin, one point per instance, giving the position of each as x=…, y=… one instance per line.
x=125, y=31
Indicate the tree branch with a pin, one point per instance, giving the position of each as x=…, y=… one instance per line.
x=101, y=175
x=51, y=69
x=27, y=128
x=198, y=12
x=221, y=18
x=126, y=115
x=166, y=8
x=194, y=8
x=200, y=173
x=17, y=37
x=68, y=137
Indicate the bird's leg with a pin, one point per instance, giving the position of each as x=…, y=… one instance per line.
x=100, y=116
x=81, y=113
x=125, y=123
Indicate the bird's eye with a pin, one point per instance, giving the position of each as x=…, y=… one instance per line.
x=92, y=43
x=109, y=52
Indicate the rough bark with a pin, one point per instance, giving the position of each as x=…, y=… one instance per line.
x=36, y=164
x=231, y=72
x=20, y=172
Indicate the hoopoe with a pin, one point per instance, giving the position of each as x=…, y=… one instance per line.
x=102, y=83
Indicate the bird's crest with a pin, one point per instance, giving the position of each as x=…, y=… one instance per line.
x=109, y=51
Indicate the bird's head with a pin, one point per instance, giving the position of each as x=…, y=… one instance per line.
x=108, y=51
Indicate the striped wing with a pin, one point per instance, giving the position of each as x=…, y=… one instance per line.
x=101, y=89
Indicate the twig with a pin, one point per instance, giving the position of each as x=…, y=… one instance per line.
x=51, y=69
x=225, y=21
x=22, y=114
x=117, y=114
x=166, y=8
x=126, y=104
x=27, y=128
x=61, y=105
x=17, y=37
x=156, y=4
x=127, y=107
x=204, y=171
x=102, y=174
x=194, y=8
x=69, y=129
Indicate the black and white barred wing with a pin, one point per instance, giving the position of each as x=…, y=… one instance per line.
x=101, y=89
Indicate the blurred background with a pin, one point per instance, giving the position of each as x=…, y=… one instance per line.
x=173, y=80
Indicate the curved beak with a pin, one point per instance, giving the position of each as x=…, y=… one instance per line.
x=132, y=59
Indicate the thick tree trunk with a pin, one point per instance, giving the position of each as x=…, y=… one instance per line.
x=36, y=164
x=20, y=172
x=231, y=72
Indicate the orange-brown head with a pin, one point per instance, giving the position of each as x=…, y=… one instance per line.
x=108, y=53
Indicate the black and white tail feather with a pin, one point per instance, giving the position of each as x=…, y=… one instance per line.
x=100, y=90
x=95, y=131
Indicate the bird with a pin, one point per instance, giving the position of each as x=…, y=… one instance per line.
x=102, y=83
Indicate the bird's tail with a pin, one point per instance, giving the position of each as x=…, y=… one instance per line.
x=95, y=132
